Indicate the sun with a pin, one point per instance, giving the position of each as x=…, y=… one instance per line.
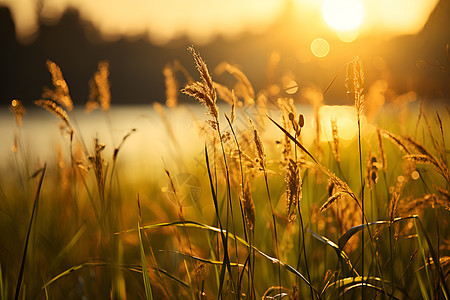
x=343, y=15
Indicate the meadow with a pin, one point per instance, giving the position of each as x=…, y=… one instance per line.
x=262, y=199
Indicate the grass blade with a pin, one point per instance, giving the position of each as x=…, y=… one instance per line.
x=355, y=229
x=226, y=260
x=194, y=224
x=33, y=214
x=343, y=257
x=145, y=275
x=348, y=282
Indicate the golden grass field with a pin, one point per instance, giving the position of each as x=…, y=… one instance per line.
x=258, y=201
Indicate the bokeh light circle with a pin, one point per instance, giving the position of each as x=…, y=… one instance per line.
x=320, y=47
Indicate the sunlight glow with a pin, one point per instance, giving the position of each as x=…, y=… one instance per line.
x=343, y=15
x=320, y=47
x=345, y=117
x=347, y=36
x=202, y=20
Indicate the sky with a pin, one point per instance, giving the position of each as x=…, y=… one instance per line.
x=202, y=20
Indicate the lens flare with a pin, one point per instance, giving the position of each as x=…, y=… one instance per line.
x=320, y=47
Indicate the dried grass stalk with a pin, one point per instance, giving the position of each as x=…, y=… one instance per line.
x=54, y=109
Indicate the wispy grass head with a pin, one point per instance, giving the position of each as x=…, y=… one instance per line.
x=171, y=86
x=249, y=206
x=293, y=188
x=99, y=89
x=259, y=146
x=61, y=92
x=354, y=82
x=54, y=109
x=249, y=93
x=334, y=131
x=203, y=91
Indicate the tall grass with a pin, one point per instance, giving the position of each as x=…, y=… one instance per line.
x=282, y=213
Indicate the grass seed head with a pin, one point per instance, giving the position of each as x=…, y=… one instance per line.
x=54, y=109
x=204, y=91
x=334, y=131
x=18, y=110
x=259, y=146
x=249, y=206
x=61, y=92
x=171, y=86
x=354, y=82
x=331, y=200
x=248, y=93
x=102, y=82
x=293, y=189
x=371, y=169
x=381, y=151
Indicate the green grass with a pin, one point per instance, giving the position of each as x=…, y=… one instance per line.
x=83, y=240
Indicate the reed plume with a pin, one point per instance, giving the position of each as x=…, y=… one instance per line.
x=233, y=106
x=393, y=203
x=223, y=92
x=55, y=109
x=293, y=189
x=97, y=163
x=61, y=92
x=381, y=150
x=249, y=94
x=171, y=86
x=354, y=82
x=334, y=131
x=331, y=200
x=248, y=205
x=178, y=67
x=99, y=89
x=259, y=146
x=204, y=91
x=417, y=205
x=395, y=139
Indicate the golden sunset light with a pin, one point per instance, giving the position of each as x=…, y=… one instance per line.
x=224, y=149
x=203, y=19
